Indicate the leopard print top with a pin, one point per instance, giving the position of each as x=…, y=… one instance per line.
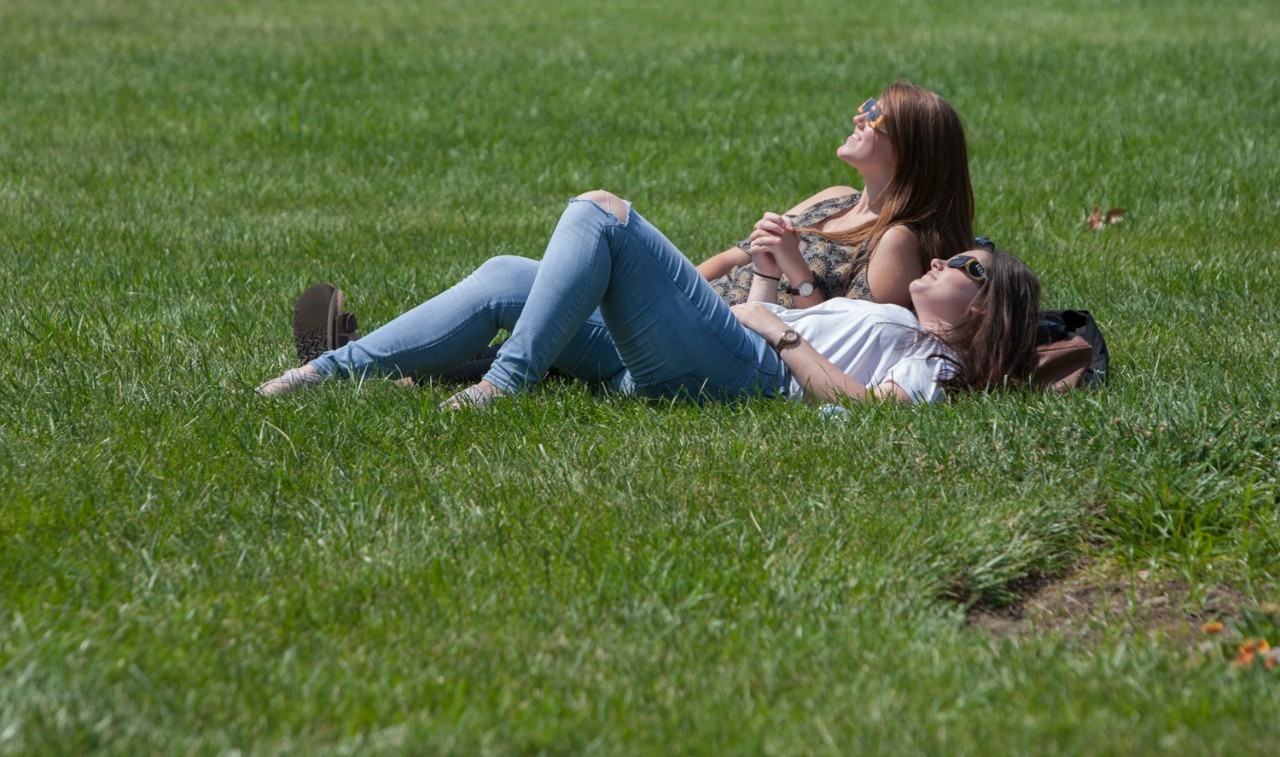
x=838, y=270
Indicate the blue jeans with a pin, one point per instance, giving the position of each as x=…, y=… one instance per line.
x=450, y=328
x=610, y=301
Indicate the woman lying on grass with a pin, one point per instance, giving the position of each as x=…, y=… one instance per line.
x=974, y=324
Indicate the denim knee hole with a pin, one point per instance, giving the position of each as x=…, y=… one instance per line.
x=606, y=200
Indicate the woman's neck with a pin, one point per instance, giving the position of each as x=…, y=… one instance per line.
x=933, y=323
x=934, y=319
x=873, y=187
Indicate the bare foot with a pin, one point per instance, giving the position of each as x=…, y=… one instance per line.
x=289, y=380
x=478, y=397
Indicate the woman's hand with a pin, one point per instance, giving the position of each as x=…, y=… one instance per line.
x=776, y=243
x=761, y=320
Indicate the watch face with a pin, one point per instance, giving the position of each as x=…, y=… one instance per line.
x=806, y=289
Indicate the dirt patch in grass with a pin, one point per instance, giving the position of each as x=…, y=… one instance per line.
x=1085, y=606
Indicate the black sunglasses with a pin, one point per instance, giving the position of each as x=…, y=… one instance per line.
x=971, y=266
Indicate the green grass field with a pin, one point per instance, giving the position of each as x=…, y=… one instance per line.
x=187, y=568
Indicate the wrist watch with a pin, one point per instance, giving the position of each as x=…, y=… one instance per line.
x=789, y=338
x=804, y=290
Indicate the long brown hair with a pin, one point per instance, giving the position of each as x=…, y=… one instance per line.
x=995, y=341
x=930, y=191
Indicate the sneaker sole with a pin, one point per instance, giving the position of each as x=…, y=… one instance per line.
x=313, y=321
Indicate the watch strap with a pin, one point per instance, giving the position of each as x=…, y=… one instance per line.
x=795, y=290
x=789, y=338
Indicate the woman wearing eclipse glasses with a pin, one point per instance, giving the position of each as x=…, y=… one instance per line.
x=613, y=301
x=916, y=205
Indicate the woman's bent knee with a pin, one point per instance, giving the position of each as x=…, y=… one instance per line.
x=503, y=275
x=609, y=201
x=501, y=263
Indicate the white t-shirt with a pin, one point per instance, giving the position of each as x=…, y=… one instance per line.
x=872, y=343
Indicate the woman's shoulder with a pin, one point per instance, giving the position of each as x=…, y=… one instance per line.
x=899, y=239
x=902, y=232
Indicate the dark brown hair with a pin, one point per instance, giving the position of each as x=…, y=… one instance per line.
x=995, y=341
x=930, y=191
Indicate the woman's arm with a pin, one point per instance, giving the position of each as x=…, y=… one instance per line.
x=764, y=285
x=894, y=264
x=822, y=380
x=721, y=263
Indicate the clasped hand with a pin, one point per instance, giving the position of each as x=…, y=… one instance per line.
x=775, y=245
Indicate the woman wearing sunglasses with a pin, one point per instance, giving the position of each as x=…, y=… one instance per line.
x=974, y=325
